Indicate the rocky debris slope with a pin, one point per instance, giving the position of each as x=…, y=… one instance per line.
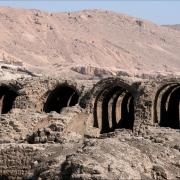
x=34, y=128
x=119, y=155
x=10, y=71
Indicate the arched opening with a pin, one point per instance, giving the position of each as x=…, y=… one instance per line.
x=114, y=109
x=7, y=98
x=174, y=109
x=168, y=106
x=127, y=112
x=62, y=96
x=107, y=121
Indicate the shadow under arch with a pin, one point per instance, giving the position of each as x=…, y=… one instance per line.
x=161, y=89
x=62, y=96
x=174, y=109
x=167, y=101
x=127, y=110
x=7, y=98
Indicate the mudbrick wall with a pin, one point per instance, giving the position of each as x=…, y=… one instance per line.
x=45, y=110
x=15, y=161
x=113, y=102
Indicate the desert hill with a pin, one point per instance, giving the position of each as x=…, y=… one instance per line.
x=87, y=42
x=176, y=26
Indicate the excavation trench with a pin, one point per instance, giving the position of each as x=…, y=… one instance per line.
x=62, y=96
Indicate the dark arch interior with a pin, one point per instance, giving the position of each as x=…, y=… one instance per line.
x=127, y=110
x=62, y=96
x=117, y=108
x=169, y=108
x=7, y=97
x=105, y=110
x=4, y=177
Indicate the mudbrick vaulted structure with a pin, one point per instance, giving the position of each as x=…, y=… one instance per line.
x=43, y=113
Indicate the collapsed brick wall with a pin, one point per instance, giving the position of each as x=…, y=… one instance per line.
x=35, y=91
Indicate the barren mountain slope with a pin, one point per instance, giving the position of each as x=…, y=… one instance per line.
x=176, y=26
x=86, y=41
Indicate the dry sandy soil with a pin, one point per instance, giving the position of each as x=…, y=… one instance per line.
x=83, y=42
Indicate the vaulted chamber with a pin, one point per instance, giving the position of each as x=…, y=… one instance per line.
x=114, y=108
x=62, y=96
x=167, y=106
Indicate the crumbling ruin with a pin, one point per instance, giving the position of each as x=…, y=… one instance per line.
x=113, y=102
x=45, y=111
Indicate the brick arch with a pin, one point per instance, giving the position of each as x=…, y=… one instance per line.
x=162, y=101
x=113, y=105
